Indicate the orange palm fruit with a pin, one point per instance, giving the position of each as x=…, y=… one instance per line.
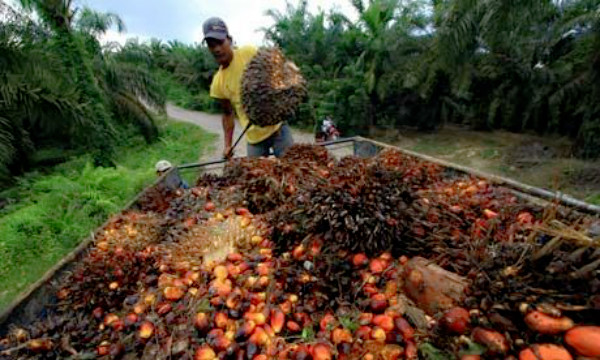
x=378, y=334
x=221, y=320
x=205, y=353
x=173, y=293
x=293, y=326
x=202, y=321
x=339, y=335
x=360, y=260
x=277, y=320
x=385, y=322
x=321, y=352
x=146, y=330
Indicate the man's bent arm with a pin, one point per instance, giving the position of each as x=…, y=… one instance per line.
x=228, y=123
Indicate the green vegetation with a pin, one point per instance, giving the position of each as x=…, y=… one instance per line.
x=184, y=71
x=52, y=211
x=523, y=66
x=60, y=90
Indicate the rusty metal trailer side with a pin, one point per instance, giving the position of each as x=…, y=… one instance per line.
x=33, y=302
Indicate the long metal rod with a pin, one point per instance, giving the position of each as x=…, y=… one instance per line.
x=238, y=140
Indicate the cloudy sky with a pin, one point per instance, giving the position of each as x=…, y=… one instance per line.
x=182, y=19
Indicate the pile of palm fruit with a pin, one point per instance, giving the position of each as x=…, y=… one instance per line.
x=310, y=257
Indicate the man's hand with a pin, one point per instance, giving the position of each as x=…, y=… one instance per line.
x=228, y=152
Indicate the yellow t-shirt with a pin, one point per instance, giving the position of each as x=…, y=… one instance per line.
x=227, y=84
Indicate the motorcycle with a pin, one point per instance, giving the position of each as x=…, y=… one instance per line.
x=327, y=133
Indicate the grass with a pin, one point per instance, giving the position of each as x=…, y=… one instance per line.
x=510, y=155
x=55, y=210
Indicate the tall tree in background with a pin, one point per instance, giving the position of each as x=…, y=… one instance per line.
x=58, y=16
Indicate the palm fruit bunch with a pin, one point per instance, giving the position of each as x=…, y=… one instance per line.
x=272, y=88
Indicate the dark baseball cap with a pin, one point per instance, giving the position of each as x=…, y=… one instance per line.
x=215, y=28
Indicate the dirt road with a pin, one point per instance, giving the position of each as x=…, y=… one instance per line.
x=212, y=123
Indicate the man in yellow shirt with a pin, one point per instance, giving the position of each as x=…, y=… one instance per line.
x=227, y=87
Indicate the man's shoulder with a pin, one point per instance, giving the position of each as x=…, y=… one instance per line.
x=247, y=51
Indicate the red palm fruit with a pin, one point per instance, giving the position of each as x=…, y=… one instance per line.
x=392, y=352
x=214, y=335
x=118, y=325
x=263, y=269
x=139, y=309
x=221, y=343
x=405, y=329
x=385, y=322
x=378, y=303
x=321, y=351
x=202, y=321
x=339, y=335
x=410, y=351
x=363, y=332
x=298, y=252
x=146, y=330
x=260, y=357
x=245, y=330
x=258, y=318
x=235, y=257
x=232, y=270
x=103, y=350
x=386, y=256
x=315, y=248
x=221, y=320
x=493, y=340
x=378, y=334
x=293, y=326
x=490, y=214
x=365, y=318
x=546, y=324
x=392, y=311
x=302, y=318
x=263, y=281
x=360, y=260
x=377, y=266
x=370, y=289
x=205, y=353
x=173, y=293
x=220, y=272
x=163, y=308
x=243, y=212
x=470, y=357
x=525, y=218
x=243, y=266
x=286, y=307
x=456, y=320
x=131, y=319
x=277, y=320
x=403, y=260
x=98, y=312
x=259, y=337
x=327, y=321
x=209, y=206
x=110, y=319
x=40, y=345
x=585, y=340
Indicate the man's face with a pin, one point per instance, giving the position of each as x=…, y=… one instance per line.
x=221, y=50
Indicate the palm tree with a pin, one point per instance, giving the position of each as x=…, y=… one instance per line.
x=58, y=15
x=35, y=97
